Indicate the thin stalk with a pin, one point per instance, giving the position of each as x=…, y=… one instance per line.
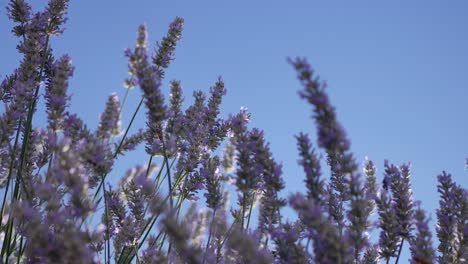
x=136, y=255
x=49, y=165
x=250, y=211
x=399, y=250
x=20, y=251
x=209, y=235
x=106, y=209
x=228, y=233
x=170, y=189
x=178, y=206
x=243, y=210
x=168, y=173
x=9, y=244
x=123, y=102
x=150, y=161
x=159, y=182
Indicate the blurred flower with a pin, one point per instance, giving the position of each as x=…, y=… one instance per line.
x=421, y=247
x=311, y=166
x=327, y=243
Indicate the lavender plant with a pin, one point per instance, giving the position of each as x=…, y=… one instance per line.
x=58, y=206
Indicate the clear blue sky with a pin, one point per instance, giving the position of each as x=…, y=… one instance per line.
x=397, y=70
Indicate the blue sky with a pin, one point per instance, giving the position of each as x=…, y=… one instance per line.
x=397, y=71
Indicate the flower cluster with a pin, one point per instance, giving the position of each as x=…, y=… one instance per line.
x=59, y=205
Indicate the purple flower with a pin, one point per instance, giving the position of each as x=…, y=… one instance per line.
x=371, y=256
x=75, y=129
x=462, y=222
x=402, y=196
x=331, y=135
x=421, y=247
x=149, y=79
x=20, y=12
x=175, y=112
x=270, y=174
x=245, y=248
x=287, y=248
x=180, y=236
x=57, y=11
x=67, y=170
x=311, y=166
x=166, y=48
x=452, y=216
x=388, y=223
x=210, y=171
x=56, y=92
x=370, y=184
x=327, y=243
x=97, y=158
x=131, y=142
x=358, y=214
x=152, y=253
x=110, y=119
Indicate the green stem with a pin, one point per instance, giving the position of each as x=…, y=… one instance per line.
x=228, y=233
x=399, y=250
x=170, y=189
x=20, y=251
x=243, y=210
x=123, y=102
x=168, y=173
x=250, y=211
x=106, y=209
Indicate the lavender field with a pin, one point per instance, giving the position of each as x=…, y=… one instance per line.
x=168, y=175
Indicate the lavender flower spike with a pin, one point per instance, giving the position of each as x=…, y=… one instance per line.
x=165, y=52
x=56, y=92
x=421, y=244
x=311, y=165
x=388, y=223
x=447, y=220
x=328, y=246
x=57, y=10
x=331, y=135
x=149, y=79
x=20, y=12
x=212, y=176
x=402, y=196
x=110, y=119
